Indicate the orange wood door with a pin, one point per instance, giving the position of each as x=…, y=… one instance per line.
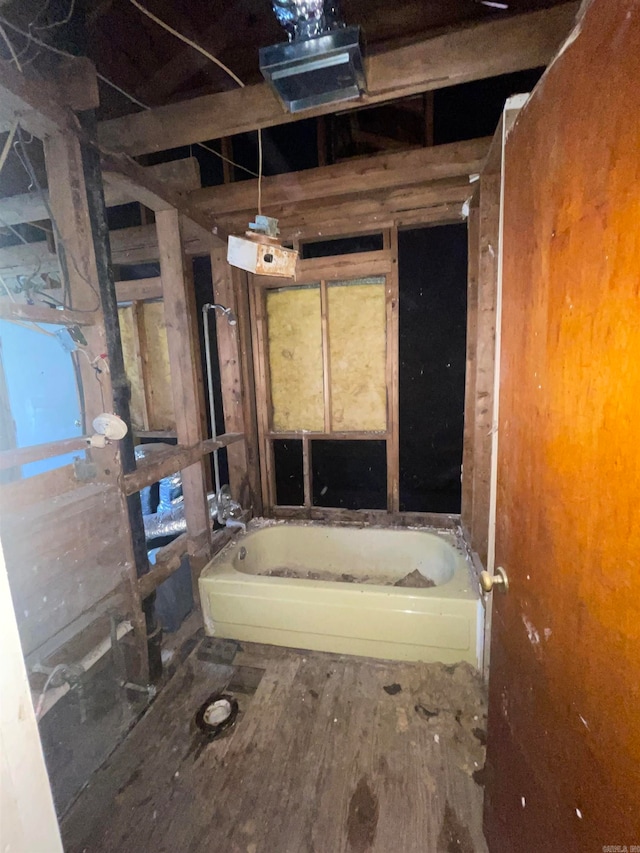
x=563, y=764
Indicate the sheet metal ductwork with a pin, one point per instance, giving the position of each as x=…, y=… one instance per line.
x=306, y=19
x=322, y=62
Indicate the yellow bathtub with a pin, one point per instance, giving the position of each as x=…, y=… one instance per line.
x=329, y=588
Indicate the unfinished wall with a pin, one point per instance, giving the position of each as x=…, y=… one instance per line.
x=146, y=358
x=564, y=742
x=357, y=353
x=295, y=358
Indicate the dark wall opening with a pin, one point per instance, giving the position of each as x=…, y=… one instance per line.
x=433, y=303
x=349, y=474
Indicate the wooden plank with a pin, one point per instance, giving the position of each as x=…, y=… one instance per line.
x=42, y=108
x=36, y=452
x=343, y=266
x=380, y=172
x=20, y=494
x=379, y=775
x=468, y=455
x=169, y=559
x=488, y=221
x=263, y=415
x=35, y=102
x=41, y=313
x=326, y=359
x=63, y=555
x=481, y=50
x=356, y=435
x=240, y=281
x=377, y=517
x=359, y=213
x=141, y=359
x=392, y=378
x=180, y=317
x=165, y=462
x=307, y=472
x=231, y=379
x=139, y=290
x=565, y=638
x=181, y=175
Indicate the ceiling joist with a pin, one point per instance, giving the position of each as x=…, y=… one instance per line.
x=476, y=52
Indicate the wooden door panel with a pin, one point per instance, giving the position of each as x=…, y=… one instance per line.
x=563, y=766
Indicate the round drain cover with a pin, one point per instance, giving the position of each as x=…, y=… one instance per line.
x=217, y=714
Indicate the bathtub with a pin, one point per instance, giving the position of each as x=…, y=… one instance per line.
x=311, y=586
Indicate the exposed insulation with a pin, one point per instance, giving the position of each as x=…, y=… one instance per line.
x=357, y=351
x=132, y=366
x=150, y=348
x=159, y=395
x=295, y=358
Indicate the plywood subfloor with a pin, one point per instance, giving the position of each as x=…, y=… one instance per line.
x=323, y=758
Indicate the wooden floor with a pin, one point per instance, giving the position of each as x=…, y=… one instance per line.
x=329, y=753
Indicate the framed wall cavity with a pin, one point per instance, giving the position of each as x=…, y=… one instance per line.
x=326, y=368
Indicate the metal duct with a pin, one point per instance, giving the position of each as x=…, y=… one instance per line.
x=171, y=522
x=305, y=19
x=322, y=62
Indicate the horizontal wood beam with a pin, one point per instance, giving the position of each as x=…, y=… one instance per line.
x=486, y=49
x=42, y=313
x=181, y=175
x=167, y=462
x=424, y=204
x=129, y=246
x=36, y=452
x=380, y=172
x=169, y=558
x=21, y=96
x=138, y=290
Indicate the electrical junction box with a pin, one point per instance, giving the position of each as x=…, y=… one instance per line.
x=261, y=256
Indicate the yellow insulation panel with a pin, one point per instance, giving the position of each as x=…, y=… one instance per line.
x=357, y=353
x=295, y=358
x=146, y=361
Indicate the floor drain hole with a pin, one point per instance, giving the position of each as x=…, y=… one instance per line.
x=217, y=714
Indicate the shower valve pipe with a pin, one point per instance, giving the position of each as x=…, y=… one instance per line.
x=207, y=348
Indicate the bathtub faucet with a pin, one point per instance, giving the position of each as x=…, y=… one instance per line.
x=234, y=523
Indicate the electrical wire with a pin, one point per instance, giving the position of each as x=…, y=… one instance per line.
x=14, y=55
x=7, y=145
x=24, y=158
x=221, y=65
x=188, y=41
x=59, y=668
x=116, y=88
x=54, y=24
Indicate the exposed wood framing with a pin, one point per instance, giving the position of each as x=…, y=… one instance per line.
x=468, y=457
x=169, y=558
x=484, y=259
x=237, y=394
x=36, y=452
x=42, y=111
x=392, y=287
x=476, y=52
x=165, y=462
x=41, y=313
x=325, y=270
x=179, y=175
x=262, y=393
x=186, y=382
x=139, y=290
x=379, y=517
x=370, y=174
x=140, y=358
